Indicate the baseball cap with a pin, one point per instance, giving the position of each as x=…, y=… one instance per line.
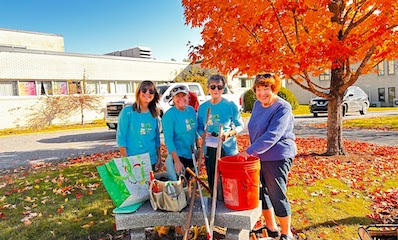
x=179, y=89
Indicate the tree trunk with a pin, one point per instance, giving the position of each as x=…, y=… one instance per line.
x=335, y=145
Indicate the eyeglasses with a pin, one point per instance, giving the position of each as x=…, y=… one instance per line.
x=175, y=89
x=151, y=91
x=219, y=87
x=261, y=76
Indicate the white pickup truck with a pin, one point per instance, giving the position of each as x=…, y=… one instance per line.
x=113, y=108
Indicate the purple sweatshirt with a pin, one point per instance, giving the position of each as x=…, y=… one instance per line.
x=271, y=131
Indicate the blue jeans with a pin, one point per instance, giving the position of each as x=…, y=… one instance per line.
x=274, y=175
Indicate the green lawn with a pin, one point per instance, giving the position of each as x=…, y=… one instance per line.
x=304, y=109
x=330, y=196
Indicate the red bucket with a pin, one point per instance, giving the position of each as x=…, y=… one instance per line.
x=240, y=182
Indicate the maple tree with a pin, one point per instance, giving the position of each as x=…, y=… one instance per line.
x=298, y=39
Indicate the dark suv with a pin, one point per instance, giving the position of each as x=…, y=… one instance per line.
x=354, y=100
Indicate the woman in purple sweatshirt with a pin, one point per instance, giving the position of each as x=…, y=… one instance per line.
x=272, y=140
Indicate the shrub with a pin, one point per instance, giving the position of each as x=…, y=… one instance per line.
x=250, y=97
x=289, y=97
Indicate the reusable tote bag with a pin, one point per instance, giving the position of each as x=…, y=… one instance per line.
x=126, y=179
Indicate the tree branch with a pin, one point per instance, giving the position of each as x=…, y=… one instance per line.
x=355, y=24
x=311, y=86
x=283, y=32
x=358, y=72
x=250, y=32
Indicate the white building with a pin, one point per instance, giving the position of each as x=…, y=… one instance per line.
x=34, y=64
x=381, y=87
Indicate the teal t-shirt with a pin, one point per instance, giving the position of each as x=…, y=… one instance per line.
x=138, y=132
x=180, y=130
x=227, y=113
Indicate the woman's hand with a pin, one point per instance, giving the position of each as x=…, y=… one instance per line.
x=158, y=164
x=178, y=166
x=242, y=156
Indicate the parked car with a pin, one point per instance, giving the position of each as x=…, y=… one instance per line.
x=354, y=100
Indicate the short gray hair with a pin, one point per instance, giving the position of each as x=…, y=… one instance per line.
x=216, y=78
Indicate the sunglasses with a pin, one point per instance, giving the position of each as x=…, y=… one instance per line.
x=219, y=87
x=175, y=89
x=151, y=91
x=261, y=76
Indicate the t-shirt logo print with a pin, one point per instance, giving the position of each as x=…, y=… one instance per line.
x=214, y=119
x=189, y=123
x=145, y=128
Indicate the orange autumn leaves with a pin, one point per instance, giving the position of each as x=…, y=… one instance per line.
x=293, y=37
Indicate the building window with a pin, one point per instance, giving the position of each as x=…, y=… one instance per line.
x=103, y=88
x=382, y=93
x=8, y=89
x=75, y=87
x=391, y=67
x=391, y=94
x=242, y=82
x=91, y=87
x=289, y=81
x=325, y=76
x=380, y=69
x=135, y=86
x=246, y=82
x=122, y=87
x=27, y=88
x=60, y=88
x=44, y=88
x=112, y=87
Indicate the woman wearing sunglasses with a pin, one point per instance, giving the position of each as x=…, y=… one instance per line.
x=180, y=132
x=138, y=125
x=222, y=111
x=272, y=140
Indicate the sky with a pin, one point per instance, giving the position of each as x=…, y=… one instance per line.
x=103, y=26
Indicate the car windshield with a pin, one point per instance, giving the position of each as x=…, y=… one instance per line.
x=162, y=89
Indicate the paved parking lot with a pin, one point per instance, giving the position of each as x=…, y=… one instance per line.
x=25, y=149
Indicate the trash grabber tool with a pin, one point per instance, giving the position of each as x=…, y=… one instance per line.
x=214, y=197
x=198, y=179
x=209, y=236
x=192, y=200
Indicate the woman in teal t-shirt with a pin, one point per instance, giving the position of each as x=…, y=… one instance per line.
x=180, y=132
x=222, y=111
x=138, y=126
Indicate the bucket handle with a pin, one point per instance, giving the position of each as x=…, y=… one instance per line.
x=248, y=176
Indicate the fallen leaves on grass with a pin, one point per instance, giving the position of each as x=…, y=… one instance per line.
x=365, y=163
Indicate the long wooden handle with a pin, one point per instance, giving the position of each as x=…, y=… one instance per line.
x=195, y=184
x=199, y=180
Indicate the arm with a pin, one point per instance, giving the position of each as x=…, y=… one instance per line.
x=121, y=134
x=201, y=120
x=168, y=131
x=238, y=122
x=123, y=151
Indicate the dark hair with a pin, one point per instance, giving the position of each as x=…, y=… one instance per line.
x=153, y=104
x=216, y=78
x=267, y=78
